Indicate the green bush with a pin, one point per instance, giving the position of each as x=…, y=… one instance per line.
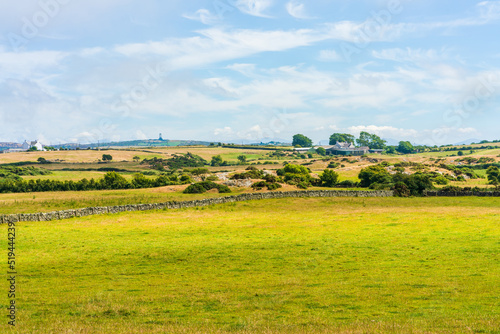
x=201, y=187
x=329, y=178
x=441, y=180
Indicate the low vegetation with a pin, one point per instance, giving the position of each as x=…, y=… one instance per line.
x=337, y=265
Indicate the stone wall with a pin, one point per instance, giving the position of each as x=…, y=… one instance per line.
x=462, y=193
x=57, y=215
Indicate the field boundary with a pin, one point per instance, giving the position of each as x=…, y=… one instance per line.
x=462, y=193
x=91, y=211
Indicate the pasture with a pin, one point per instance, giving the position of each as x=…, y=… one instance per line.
x=336, y=265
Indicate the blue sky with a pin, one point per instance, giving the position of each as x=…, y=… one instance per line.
x=239, y=70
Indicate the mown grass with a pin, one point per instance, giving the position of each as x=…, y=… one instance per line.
x=338, y=265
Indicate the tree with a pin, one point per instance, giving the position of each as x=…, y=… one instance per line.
x=42, y=160
x=295, y=175
x=460, y=153
x=374, y=174
x=321, y=151
x=301, y=140
x=107, y=157
x=341, y=138
x=199, y=171
x=242, y=159
x=136, y=158
x=390, y=150
x=370, y=140
x=216, y=161
x=329, y=178
x=405, y=147
x=493, y=173
x=112, y=180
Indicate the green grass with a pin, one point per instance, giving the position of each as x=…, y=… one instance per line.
x=337, y=265
x=53, y=201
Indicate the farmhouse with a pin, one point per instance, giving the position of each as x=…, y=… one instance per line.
x=26, y=146
x=342, y=148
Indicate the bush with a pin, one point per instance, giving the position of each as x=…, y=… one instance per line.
x=329, y=178
x=259, y=185
x=201, y=187
x=107, y=157
x=374, y=174
x=333, y=165
x=441, y=180
x=401, y=190
x=347, y=184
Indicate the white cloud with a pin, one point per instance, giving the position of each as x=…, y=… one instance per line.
x=28, y=64
x=204, y=16
x=245, y=69
x=254, y=7
x=410, y=55
x=329, y=55
x=489, y=10
x=296, y=9
x=385, y=131
x=218, y=45
x=225, y=132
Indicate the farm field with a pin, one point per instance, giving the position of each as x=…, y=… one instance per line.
x=336, y=265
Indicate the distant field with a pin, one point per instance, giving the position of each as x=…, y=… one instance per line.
x=337, y=265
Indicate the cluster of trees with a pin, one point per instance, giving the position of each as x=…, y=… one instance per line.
x=110, y=181
x=300, y=176
x=176, y=162
x=377, y=177
x=15, y=173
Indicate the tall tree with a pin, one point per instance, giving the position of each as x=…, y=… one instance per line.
x=341, y=138
x=405, y=147
x=371, y=140
x=301, y=140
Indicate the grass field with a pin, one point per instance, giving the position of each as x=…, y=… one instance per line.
x=338, y=265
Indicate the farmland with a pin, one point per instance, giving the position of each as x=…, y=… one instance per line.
x=310, y=265
x=346, y=265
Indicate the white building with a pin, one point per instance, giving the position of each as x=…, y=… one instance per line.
x=26, y=146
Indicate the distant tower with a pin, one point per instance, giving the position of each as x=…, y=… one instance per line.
x=160, y=137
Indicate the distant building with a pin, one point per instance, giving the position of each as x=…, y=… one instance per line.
x=26, y=146
x=302, y=149
x=343, y=148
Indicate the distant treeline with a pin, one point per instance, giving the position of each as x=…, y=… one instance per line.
x=110, y=181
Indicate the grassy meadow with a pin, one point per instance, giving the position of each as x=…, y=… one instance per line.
x=336, y=265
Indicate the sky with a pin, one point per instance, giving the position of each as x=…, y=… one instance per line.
x=249, y=70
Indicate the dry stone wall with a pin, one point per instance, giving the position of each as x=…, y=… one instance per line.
x=65, y=214
x=463, y=193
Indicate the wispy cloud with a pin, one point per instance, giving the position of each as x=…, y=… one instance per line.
x=329, y=55
x=411, y=55
x=254, y=7
x=297, y=10
x=204, y=16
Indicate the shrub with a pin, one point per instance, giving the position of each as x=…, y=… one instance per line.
x=107, y=157
x=333, y=165
x=374, y=174
x=347, y=183
x=329, y=178
x=441, y=180
x=259, y=185
x=201, y=187
x=401, y=190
